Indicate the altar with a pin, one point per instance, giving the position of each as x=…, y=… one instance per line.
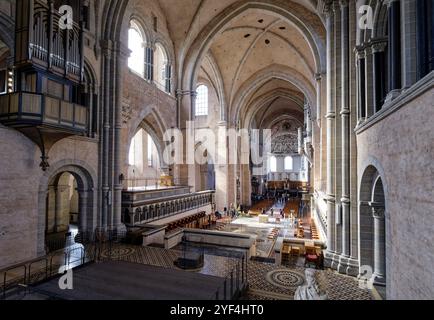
x=263, y=218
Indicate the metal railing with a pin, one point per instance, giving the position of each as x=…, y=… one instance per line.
x=235, y=283
x=88, y=247
x=104, y=245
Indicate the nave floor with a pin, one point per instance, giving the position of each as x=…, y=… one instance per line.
x=267, y=281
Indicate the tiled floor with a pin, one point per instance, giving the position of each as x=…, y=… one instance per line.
x=267, y=281
x=338, y=287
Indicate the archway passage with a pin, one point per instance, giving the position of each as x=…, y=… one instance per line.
x=62, y=217
x=372, y=228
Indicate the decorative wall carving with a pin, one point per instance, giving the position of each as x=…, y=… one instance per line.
x=284, y=137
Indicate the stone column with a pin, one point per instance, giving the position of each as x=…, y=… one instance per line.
x=184, y=172
x=369, y=82
x=121, y=61
x=85, y=215
x=361, y=84
x=408, y=43
x=394, y=38
x=59, y=225
x=221, y=168
x=330, y=119
x=105, y=139
x=318, y=78
x=337, y=144
x=379, y=275
x=378, y=74
x=345, y=118
x=51, y=210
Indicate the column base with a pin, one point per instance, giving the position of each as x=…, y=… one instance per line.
x=343, y=263
x=378, y=279
x=328, y=259
x=348, y=266
x=335, y=261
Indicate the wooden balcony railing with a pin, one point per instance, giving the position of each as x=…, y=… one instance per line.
x=20, y=109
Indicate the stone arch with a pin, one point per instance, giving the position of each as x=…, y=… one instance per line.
x=217, y=83
x=86, y=182
x=260, y=78
x=265, y=99
x=380, y=20
x=190, y=65
x=168, y=49
x=373, y=223
x=199, y=48
x=7, y=32
x=144, y=29
x=157, y=140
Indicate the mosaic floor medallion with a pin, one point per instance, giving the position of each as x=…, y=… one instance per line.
x=284, y=278
x=118, y=252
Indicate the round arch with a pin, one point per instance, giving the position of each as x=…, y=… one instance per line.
x=86, y=179
x=7, y=32
x=374, y=223
x=262, y=77
x=200, y=46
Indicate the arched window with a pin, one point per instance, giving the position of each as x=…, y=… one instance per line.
x=136, y=150
x=289, y=164
x=143, y=152
x=136, y=61
x=202, y=101
x=150, y=151
x=273, y=164
x=162, y=69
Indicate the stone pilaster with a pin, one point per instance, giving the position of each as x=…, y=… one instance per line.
x=330, y=122
x=369, y=82
x=379, y=276
x=345, y=118
x=394, y=39
x=361, y=84
x=221, y=168
x=338, y=130
x=122, y=53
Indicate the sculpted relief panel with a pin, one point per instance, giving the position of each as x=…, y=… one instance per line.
x=284, y=137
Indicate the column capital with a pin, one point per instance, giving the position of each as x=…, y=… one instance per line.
x=328, y=8
x=122, y=50
x=368, y=50
x=377, y=210
x=222, y=124
x=388, y=3
x=181, y=93
x=343, y=3
x=360, y=52
x=336, y=7
x=319, y=76
x=378, y=46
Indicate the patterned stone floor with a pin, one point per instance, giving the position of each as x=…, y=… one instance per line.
x=213, y=265
x=267, y=281
x=272, y=282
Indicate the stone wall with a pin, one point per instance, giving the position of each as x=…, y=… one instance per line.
x=401, y=147
x=20, y=183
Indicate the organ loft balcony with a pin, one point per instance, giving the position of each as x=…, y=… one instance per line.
x=46, y=99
